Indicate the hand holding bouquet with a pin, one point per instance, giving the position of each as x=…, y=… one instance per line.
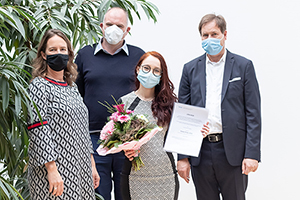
x=125, y=131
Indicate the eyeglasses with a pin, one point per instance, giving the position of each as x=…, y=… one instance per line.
x=156, y=71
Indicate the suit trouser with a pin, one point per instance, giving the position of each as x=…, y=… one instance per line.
x=107, y=166
x=215, y=176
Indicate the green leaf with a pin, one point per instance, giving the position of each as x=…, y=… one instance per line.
x=82, y=24
x=6, y=14
x=28, y=16
x=151, y=6
x=76, y=7
x=3, y=188
x=127, y=126
x=5, y=93
x=56, y=25
x=18, y=103
x=132, y=4
x=19, y=25
x=121, y=4
x=64, y=9
x=105, y=5
x=117, y=144
x=50, y=3
x=13, y=191
x=111, y=143
x=61, y=16
x=8, y=73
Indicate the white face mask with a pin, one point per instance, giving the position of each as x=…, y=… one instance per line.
x=113, y=34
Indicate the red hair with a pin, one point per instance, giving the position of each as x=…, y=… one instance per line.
x=162, y=105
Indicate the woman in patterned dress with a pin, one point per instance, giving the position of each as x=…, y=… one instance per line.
x=153, y=97
x=61, y=164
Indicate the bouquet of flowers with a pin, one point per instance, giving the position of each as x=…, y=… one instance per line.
x=125, y=131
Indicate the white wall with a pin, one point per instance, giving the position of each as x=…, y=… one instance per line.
x=265, y=31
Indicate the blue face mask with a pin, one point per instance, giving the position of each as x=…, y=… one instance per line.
x=148, y=80
x=212, y=46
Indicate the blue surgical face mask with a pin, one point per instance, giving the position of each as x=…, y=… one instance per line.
x=148, y=80
x=212, y=46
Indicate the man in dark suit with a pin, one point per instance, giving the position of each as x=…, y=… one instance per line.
x=225, y=84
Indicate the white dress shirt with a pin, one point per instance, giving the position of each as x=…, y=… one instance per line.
x=214, y=82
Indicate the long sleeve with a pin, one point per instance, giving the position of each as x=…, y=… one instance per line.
x=41, y=147
x=253, y=114
x=184, y=95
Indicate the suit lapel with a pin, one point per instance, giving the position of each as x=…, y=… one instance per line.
x=202, y=78
x=227, y=73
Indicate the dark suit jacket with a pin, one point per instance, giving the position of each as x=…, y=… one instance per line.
x=240, y=105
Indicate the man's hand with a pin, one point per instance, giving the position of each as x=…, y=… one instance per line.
x=205, y=129
x=249, y=165
x=183, y=168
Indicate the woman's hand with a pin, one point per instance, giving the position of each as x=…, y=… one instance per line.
x=96, y=177
x=205, y=130
x=130, y=154
x=56, y=184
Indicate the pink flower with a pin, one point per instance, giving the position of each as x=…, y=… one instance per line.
x=134, y=145
x=103, y=136
x=107, y=130
x=123, y=118
x=120, y=108
x=114, y=116
x=129, y=112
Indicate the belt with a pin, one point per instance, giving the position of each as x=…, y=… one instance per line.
x=216, y=137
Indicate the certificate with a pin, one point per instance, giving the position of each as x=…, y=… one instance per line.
x=184, y=135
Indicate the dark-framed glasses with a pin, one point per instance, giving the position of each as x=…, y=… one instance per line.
x=156, y=71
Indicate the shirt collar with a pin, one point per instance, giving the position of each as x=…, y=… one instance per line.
x=221, y=60
x=99, y=48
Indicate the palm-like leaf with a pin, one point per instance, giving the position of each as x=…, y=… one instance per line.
x=14, y=101
x=8, y=191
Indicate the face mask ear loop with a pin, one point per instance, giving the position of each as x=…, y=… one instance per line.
x=222, y=37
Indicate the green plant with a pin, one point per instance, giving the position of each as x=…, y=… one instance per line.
x=14, y=101
x=22, y=24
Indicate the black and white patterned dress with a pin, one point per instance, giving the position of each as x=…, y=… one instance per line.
x=158, y=178
x=63, y=138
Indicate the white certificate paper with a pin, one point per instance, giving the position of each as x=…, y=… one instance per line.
x=184, y=135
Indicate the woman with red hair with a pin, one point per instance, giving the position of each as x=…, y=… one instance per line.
x=154, y=97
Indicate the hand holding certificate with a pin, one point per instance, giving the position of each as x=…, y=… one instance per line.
x=184, y=135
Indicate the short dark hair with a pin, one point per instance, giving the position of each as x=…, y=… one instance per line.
x=219, y=19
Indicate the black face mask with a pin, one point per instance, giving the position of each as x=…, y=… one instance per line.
x=57, y=62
